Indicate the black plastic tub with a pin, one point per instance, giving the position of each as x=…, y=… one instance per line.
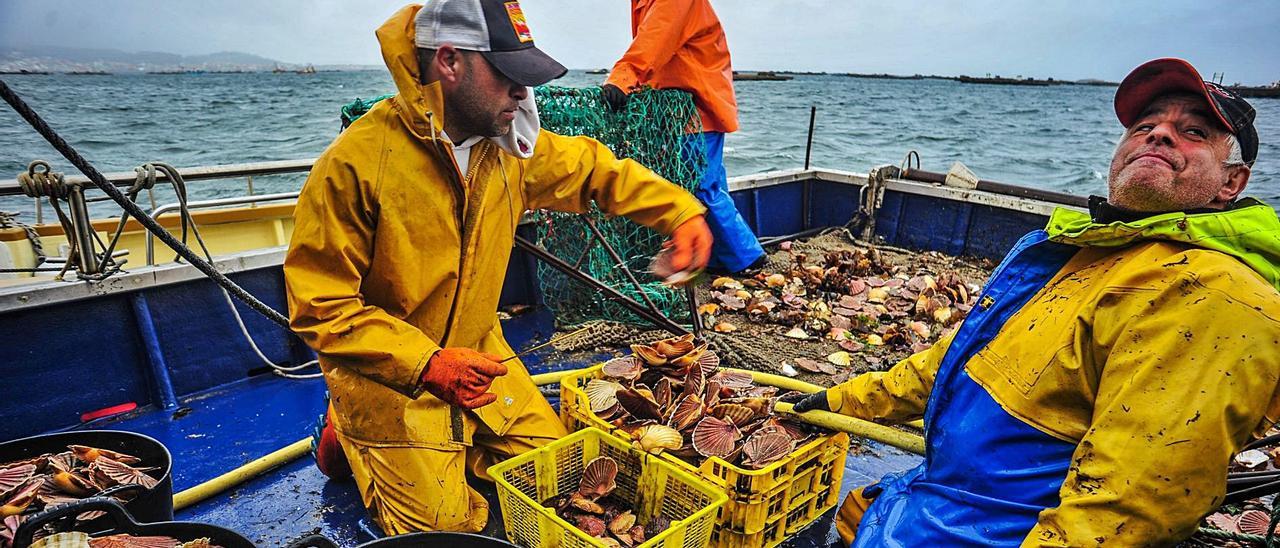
x=149, y=505
x=118, y=520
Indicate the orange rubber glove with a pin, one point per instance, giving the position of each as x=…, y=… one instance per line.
x=690, y=245
x=461, y=377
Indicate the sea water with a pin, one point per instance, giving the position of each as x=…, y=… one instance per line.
x=1056, y=137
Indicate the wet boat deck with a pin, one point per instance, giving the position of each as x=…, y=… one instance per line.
x=215, y=431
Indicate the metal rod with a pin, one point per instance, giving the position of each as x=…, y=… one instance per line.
x=631, y=304
x=228, y=171
x=766, y=242
x=87, y=261
x=157, y=212
x=696, y=319
x=39, y=211
x=1001, y=188
x=613, y=253
x=808, y=145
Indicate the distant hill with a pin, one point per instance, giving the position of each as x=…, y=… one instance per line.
x=64, y=59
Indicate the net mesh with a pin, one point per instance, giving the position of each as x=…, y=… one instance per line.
x=651, y=130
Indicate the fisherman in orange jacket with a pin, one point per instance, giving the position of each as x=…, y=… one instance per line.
x=679, y=44
x=401, y=241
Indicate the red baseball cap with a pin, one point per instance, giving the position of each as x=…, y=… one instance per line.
x=1154, y=79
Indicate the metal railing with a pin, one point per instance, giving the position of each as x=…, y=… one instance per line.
x=205, y=204
x=124, y=179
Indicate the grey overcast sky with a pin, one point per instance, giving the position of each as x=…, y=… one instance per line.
x=1041, y=38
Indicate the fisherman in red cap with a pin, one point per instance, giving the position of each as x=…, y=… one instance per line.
x=1115, y=362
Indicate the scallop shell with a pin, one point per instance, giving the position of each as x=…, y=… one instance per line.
x=66, y=538
x=21, y=497
x=590, y=525
x=585, y=504
x=1254, y=522
x=130, y=541
x=1223, y=522
x=120, y=473
x=695, y=383
x=766, y=446
x=90, y=454
x=598, y=478
x=648, y=354
x=655, y=438
x=72, y=483
x=602, y=394
x=732, y=379
x=662, y=392
x=713, y=437
x=675, y=347
x=712, y=397
x=11, y=478
x=625, y=367
x=686, y=413
x=621, y=524
x=709, y=361
x=734, y=413
x=638, y=405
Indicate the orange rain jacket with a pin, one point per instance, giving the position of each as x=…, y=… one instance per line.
x=679, y=44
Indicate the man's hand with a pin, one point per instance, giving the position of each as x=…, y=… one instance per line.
x=614, y=97
x=816, y=400
x=690, y=245
x=461, y=377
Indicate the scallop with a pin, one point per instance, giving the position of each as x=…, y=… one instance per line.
x=625, y=367
x=90, y=454
x=766, y=446
x=130, y=541
x=734, y=413
x=11, y=478
x=732, y=379
x=713, y=437
x=598, y=478
x=120, y=473
x=674, y=347
x=638, y=405
x=602, y=394
x=687, y=412
x=1254, y=522
x=648, y=354
x=655, y=438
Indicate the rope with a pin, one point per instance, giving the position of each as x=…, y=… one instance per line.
x=68, y=152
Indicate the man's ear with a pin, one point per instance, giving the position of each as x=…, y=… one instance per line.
x=1237, y=179
x=447, y=64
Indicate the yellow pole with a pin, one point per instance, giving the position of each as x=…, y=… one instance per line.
x=250, y=470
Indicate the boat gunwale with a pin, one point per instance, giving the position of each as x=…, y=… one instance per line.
x=50, y=292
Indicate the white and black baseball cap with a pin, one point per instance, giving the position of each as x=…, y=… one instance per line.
x=495, y=28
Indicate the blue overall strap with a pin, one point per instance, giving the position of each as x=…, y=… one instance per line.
x=735, y=246
x=986, y=474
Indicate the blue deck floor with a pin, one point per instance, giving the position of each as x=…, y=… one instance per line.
x=221, y=429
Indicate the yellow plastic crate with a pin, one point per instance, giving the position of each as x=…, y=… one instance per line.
x=764, y=505
x=654, y=487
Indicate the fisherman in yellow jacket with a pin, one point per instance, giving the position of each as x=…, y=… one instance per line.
x=1115, y=361
x=401, y=241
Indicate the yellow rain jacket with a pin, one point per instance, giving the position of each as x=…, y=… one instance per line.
x=1096, y=394
x=397, y=251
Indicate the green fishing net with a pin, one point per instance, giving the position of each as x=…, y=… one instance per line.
x=651, y=130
